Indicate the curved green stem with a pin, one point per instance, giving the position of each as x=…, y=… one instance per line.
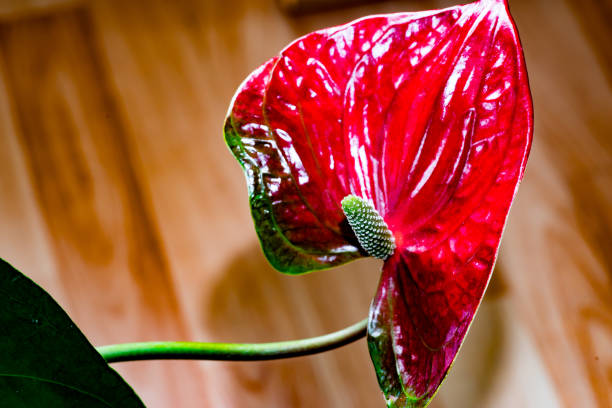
x=173, y=350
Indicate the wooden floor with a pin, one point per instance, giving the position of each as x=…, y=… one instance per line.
x=118, y=195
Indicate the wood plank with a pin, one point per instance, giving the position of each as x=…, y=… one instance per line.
x=557, y=244
x=24, y=240
x=595, y=17
x=104, y=240
x=10, y=10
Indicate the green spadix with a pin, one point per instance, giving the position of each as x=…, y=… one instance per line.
x=369, y=227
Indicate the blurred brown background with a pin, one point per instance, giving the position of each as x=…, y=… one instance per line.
x=118, y=195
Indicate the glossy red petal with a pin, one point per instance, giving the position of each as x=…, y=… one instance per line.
x=461, y=175
x=290, y=128
x=304, y=108
x=428, y=115
x=292, y=237
x=285, y=129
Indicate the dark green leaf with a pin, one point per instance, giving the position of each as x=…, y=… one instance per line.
x=45, y=360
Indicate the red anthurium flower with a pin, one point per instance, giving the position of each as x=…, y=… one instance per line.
x=421, y=123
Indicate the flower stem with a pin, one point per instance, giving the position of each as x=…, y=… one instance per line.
x=176, y=350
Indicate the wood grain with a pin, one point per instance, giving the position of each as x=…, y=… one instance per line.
x=84, y=182
x=562, y=278
x=118, y=194
x=595, y=17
